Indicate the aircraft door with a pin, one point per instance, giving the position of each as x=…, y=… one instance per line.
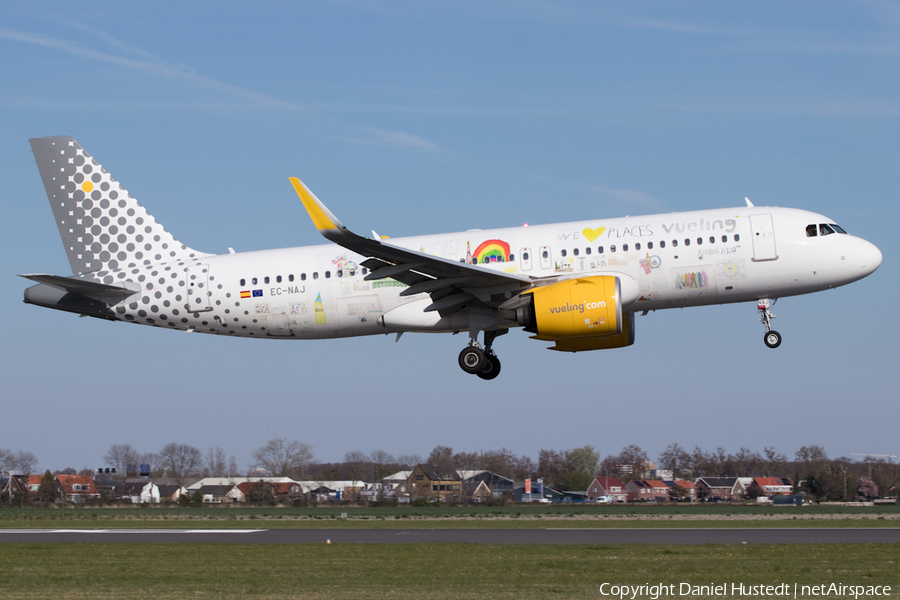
x=763, y=232
x=525, y=259
x=198, y=293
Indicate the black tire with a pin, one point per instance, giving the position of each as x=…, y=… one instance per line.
x=491, y=368
x=772, y=339
x=471, y=360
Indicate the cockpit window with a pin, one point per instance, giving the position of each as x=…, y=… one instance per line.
x=812, y=230
x=837, y=228
x=825, y=229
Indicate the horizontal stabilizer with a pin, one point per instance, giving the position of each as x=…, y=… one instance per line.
x=110, y=294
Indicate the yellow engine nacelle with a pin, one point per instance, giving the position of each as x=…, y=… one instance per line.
x=579, y=314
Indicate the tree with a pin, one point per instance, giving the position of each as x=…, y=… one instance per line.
x=442, y=458
x=382, y=462
x=47, y=492
x=357, y=465
x=232, y=467
x=214, y=463
x=120, y=456
x=583, y=460
x=409, y=461
x=774, y=463
x=552, y=467
x=284, y=458
x=867, y=488
x=181, y=461
x=676, y=459
x=24, y=462
x=635, y=461
x=6, y=457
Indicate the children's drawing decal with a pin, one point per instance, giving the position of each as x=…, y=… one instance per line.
x=491, y=251
x=695, y=279
x=319, y=309
x=731, y=269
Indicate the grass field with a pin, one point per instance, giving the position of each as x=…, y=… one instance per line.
x=99, y=571
x=527, y=516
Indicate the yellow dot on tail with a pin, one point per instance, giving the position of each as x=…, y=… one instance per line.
x=87, y=186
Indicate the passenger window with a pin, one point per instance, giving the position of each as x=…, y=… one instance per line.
x=546, y=254
x=811, y=230
x=674, y=243
x=327, y=274
x=649, y=245
x=562, y=252
x=254, y=281
x=699, y=241
x=278, y=279
x=243, y=282
x=524, y=256
x=612, y=248
x=302, y=276
x=637, y=246
x=340, y=273
x=825, y=229
x=512, y=257
x=291, y=277
x=724, y=239
x=712, y=239
x=574, y=252
x=587, y=250
x=624, y=247
x=352, y=272
x=599, y=249
x=315, y=274
x=266, y=280
x=737, y=237
x=662, y=244
x=687, y=242
x=365, y=271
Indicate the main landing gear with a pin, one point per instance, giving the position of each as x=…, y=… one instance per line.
x=481, y=362
x=772, y=338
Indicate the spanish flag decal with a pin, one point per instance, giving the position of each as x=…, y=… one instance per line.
x=245, y=294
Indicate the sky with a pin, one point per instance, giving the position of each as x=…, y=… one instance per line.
x=426, y=117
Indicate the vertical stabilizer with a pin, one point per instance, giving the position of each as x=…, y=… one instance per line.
x=103, y=228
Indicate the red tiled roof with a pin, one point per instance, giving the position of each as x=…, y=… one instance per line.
x=67, y=482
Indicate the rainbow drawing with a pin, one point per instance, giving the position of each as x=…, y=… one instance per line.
x=491, y=251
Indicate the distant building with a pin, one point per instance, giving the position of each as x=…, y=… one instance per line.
x=644, y=490
x=606, y=486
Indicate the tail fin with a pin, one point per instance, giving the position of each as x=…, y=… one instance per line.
x=103, y=228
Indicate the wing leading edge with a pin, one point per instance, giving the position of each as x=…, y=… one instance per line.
x=450, y=284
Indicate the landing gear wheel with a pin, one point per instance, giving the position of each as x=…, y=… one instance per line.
x=472, y=360
x=491, y=368
x=772, y=339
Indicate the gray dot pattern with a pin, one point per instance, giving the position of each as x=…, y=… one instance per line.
x=103, y=227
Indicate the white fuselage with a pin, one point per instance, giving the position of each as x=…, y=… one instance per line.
x=672, y=260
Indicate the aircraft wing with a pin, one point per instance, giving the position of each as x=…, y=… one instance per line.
x=451, y=284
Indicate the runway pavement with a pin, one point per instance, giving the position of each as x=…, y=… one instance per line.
x=479, y=536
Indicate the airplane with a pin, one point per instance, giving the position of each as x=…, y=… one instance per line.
x=577, y=285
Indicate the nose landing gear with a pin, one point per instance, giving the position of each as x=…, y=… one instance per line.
x=481, y=362
x=772, y=338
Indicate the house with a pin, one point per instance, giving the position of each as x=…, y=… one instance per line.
x=771, y=486
x=643, y=490
x=689, y=487
x=428, y=481
x=219, y=494
x=497, y=484
x=717, y=489
x=606, y=486
x=76, y=488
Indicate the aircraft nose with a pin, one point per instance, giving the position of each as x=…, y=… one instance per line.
x=870, y=257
